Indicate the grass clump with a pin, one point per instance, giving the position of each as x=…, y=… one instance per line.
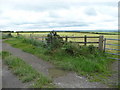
x=25, y=72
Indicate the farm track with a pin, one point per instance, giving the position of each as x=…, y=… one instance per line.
x=9, y=80
x=70, y=80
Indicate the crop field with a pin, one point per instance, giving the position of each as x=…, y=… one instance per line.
x=75, y=34
x=38, y=36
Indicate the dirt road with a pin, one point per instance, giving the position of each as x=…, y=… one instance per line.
x=9, y=80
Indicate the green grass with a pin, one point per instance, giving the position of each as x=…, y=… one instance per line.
x=25, y=72
x=86, y=64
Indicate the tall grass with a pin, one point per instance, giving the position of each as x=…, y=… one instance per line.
x=33, y=42
x=25, y=72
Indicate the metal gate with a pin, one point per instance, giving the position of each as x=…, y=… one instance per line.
x=107, y=50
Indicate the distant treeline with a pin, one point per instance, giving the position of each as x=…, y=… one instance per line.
x=105, y=33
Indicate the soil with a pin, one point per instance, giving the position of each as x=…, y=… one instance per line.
x=60, y=78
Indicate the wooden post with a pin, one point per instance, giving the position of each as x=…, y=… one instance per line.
x=85, y=40
x=30, y=35
x=66, y=39
x=100, y=43
x=42, y=39
x=17, y=33
x=104, y=44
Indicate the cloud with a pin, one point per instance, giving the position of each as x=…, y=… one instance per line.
x=91, y=12
x=58, y=14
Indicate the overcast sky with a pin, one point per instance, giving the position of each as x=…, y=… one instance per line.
x=58, y=15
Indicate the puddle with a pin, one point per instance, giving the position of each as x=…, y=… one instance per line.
x=54, y=72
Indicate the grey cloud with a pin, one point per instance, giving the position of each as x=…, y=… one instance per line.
x=37, y=5
x=91, y=12
x=53, y=14
x=51, y=8
x=59, y=24
x=41, y=6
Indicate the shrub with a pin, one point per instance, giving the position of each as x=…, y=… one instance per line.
x=54, y=41
x=71, y=48
x=78, y=50
x=5, y=36
x=91, y=48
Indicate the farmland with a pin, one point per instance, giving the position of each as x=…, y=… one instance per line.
x=44, y=34
x=113, y=35
x=96, y=61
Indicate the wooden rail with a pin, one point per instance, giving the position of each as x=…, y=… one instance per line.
x=81, y=37
x=85, y=42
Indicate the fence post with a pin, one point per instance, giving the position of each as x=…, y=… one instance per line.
x=66, y=39
x=85, y=40
x=30, y=36
x=104, y=44
x=100, y=43
x=18, y=34
x=42, y=39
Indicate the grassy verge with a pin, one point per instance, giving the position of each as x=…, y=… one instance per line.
x=95, y=65
x=25, y=72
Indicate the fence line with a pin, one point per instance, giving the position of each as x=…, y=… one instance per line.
x=101, y=43
x=113, y=44
x=85, y=42
x=112, y=39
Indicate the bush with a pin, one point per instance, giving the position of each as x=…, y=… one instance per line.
x=77, y=50
x=5, y=36
x=54, y=41
x=71, y=48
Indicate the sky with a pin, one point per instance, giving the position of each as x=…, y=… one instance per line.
x=41, y=15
